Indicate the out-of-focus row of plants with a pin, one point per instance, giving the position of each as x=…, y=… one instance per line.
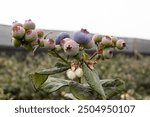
x=15, y=83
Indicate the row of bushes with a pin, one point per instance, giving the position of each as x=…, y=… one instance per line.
x=15, y=83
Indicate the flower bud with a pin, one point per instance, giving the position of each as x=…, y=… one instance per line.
x=71, y=48
x=97, y=38
x=49, y=43
x=28, y=25
x=107, y=41
x=107, y=53
x=79, y=72
x=61, y=36
x=18, y=32
x=71, y=74
x=16, y=23
x=120, y=44
x=40, y=33
x=15, y=42
x=82, y=37
x=31, y=35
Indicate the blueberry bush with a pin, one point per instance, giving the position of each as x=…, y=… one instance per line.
x=81, y=79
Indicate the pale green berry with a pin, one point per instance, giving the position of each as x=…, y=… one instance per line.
x=63, y=41
x=49, y=43
x=90, y=45
x=58, y=48
x=107, y=53
x=16, y=23
x=41, y=42
x=29, y=24
x=107, y=41
x=114, y=40
x=15, y=42
x=40, y=33
x=71, y=74
x=30, y=35
x=120, y=44
x=79, y=72
x=97, y=38
x=18, y=32
x=71, y=48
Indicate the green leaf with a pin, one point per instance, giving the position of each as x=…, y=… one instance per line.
x=52, y=71
x=113, y=87
x=93, y=80
x=53, y=84
x=82, y=91
x=69, y=96
x=39, y=77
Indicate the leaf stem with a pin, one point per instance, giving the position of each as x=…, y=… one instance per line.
x=65, y=61
x=93, y=55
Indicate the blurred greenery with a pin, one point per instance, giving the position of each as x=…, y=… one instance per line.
x=15, y=83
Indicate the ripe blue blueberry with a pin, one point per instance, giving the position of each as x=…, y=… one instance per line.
x=61, y=36
x=82, y=37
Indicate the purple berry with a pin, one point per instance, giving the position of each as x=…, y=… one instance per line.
x=61, y=36
x=71, y=48
x=82, y=37
x=31, y=35
x=29, y=24
x=18, y=32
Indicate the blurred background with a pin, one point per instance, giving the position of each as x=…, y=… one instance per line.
x=126, y=19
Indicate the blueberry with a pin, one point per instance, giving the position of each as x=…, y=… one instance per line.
x=82, y=37
x=29, y=24
x=61, y=36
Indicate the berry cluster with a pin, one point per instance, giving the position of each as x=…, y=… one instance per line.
x=27, y=36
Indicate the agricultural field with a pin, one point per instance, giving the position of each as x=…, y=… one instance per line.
x=15, y=83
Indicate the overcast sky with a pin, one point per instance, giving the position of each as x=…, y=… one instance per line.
x=130, y=18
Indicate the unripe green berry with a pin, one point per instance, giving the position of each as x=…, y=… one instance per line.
x=90, y=45
x=71, y=74
x=40, y=33
x=107, y=53
x=58, y=48
x=120, y=44
x=15, y=42
x=79, y=72
x=16, y=23
x=41, y=42
x=49, y=43
x=30, y=35
x=29, y=24
x=18, y=32
x=97, y=38
x=107, y=41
